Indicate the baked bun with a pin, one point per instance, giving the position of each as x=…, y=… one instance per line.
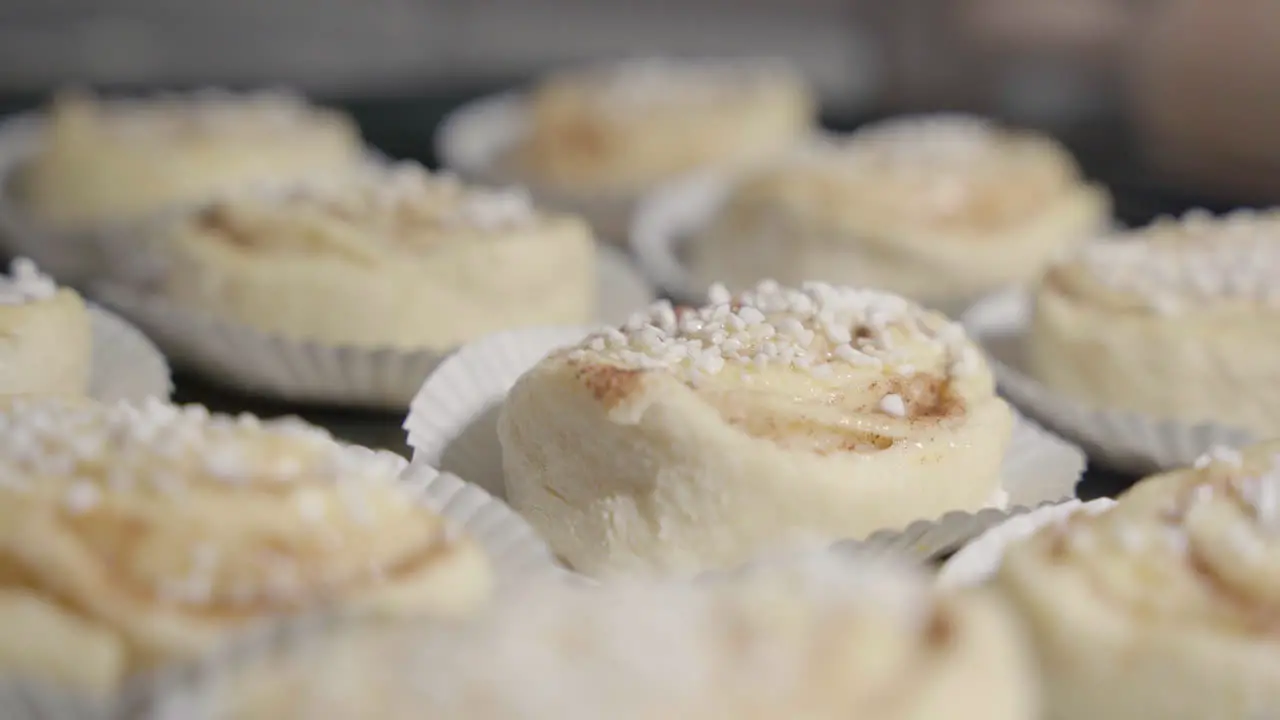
x=131, y=535
x=1177, y=321
x=395, y=257
x=1164, y=606
x=825, y=642
x=624, y=128
x=691, y=439
x=48, y=343
x=940, y=209
x=117, y=161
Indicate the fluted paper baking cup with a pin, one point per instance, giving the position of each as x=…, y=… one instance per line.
x=516, y=550
x=664, y=222
x=306, y=371
x=476, y=140
x=1120, y=439
x=980, y=559
x=125, y=365
x=452, y=424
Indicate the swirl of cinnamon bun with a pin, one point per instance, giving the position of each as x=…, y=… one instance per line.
x=823, y=642
x=691, y=438
x=391, y=256
x=941, y=209
x=1165, y=605
x=164, y=529
x=1175, y=321
x=624, y=128
x=105, y=162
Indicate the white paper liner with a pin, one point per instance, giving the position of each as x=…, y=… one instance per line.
x=286, y=368
x=452, y=425
x=474, y=140
x=1121, y=440
x=663, y=223
x=516, y=550
x=980, y=559
x=125, y=365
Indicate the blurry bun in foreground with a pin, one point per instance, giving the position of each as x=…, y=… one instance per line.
x=1163, y=606
x=817, y=638
x=693, y=438
x=135, y=535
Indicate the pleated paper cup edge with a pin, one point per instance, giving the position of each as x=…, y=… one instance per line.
x=281, y=367
x=977, y=561
x=469, y=382
x=516, y=551
x=130, y=363
x=34, y=699
x=1123, y=440
x=376, y=377
x=926, y=538
x=661, y=226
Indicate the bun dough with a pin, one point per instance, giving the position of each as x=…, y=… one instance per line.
x=117, y=161
x=134, y=535
x=1178, y=320
x=394, y=257
x=691, y=439
x=826, y=641
x=624, y=128
x=45, y=337
x=1163, y=607
x=940, y=209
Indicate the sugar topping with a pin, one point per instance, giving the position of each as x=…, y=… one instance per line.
x=404, y=193
x=1175, y=265
x=92, y=454
x=649, y=82
x=813, y=329
x=25, y=284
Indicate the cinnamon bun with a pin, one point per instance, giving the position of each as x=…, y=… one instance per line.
x=388, y=257
x=940, y=209
x=102, y=163
x=1164, y=606
x=132, y=535
x=624, y=128
x=1175, y=321
x=692, y=438
x=825, y=641
x=45, y=336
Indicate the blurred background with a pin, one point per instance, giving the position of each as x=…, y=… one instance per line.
x=1171, y=102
